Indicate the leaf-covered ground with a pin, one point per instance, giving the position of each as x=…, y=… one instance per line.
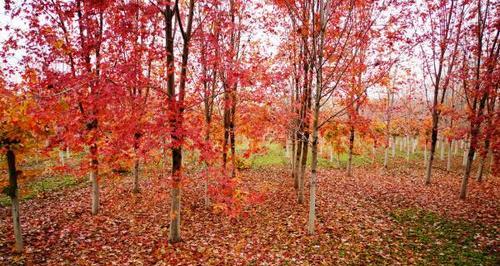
x=375, y=217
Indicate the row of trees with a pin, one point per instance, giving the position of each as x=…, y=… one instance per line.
x=124, y=81
x=335, y=55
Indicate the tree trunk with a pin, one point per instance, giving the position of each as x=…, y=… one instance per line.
x=314, y=163
x=331, y=154
x=441, y=156
x=13, y=193
x=207, y=139
x=287, y=148
x=480, y=170
x=464, y=159
x=226, y=129
x=351, y=147
x=62, y=157
x=468, y=168
x=450, y=148
x=298, y=159
x=94, y=179
x=474, y=133
x=317, y=105
x=394, y=146
x=174, y=235
x=233, y=135
x=386, y=157
x=176, y=108
x=408, y=149
x=434, y=134
x=303, y=164
x=374, y=153
x=136, y=176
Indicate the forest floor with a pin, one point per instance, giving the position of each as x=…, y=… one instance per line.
x=375, y=217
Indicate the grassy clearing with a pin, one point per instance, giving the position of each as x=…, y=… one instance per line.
x=41, y=186
x=441, y=241
x=276, y=156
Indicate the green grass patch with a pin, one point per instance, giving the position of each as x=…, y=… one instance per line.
x=38, y=187
x=438, y=240
x=276, y=156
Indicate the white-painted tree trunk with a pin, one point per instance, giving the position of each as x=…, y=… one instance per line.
x=95, y=191
x=450, y=154
x=415, y=144
x=386, y=156
x=408, y=149
x=442, y=147
x=482, y=164
x=464, y=160
x=61, y=158
x=374, y=153
x=287, y=147
x=207, y=198
x=393, y=146
x=17, y=224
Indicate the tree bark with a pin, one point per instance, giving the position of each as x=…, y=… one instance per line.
x=13, y=193
x=315, y=127
x=314, y=163
x=298, y=159
x=351, y=147
x=94, y=179
x=331, y=154
x=468, y=168
x=443, y=146
x=415, y=145
x=450, y=148
x=61, y=157
x=408, y=149
x=386, y=157
x=174, y=235
x=464, y=158
x=136, y=176
x=434, y=133
x=177, y=111
x=474, y=135
x=232, y=133
x=303, y=164
x=374, y=153
x=482, y=164
x=394, y=146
